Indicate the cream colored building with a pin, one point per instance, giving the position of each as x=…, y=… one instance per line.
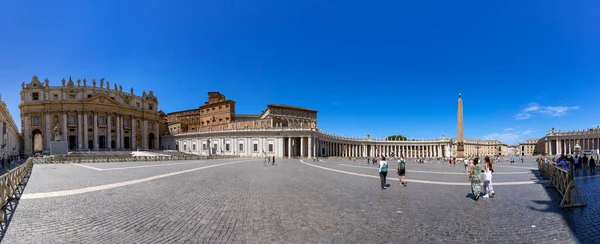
x=88, y=117
x=528, y=147
x=478, y=147
x=558, y=142
x=284, y=131
x=10, y=138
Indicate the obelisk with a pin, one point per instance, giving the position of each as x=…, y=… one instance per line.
x=460, y=149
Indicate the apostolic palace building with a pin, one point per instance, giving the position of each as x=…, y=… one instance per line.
x=10, y=138
x=99, y=117
x=92, y=116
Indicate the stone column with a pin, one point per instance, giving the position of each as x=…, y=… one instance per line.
x=118, y=132
x=302, y=146
x=47, y=134
x=65, y=131
x=310, y=146
x=108, y=132
x=145, y=134
x=79, y=130
x=133, y=134
x=289, y=147
x=95, y=131
x=85, y=130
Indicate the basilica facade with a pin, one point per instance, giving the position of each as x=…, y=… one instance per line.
x=88, y=116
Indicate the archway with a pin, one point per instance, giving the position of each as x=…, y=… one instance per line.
x=151, y=142
x=37, y=140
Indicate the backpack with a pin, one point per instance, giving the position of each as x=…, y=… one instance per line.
x=384, y=167
x=402, y=164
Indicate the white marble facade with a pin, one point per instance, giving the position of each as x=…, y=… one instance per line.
x=300, y=142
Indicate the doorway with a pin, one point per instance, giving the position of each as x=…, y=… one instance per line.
x=72, y=142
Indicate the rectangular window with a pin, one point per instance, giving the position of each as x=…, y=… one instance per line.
x=241, y=147
x=184, y=147
x=137, y=104
x=270, y=147
x=126, y=122
x=150, y=106
x=194, y=147
x=151, y=125
x=255, y=147
x=55, y=96
x=36, y=120
x=35, y=96
x=89, y=95
x=72, y=119
x=227, y=147
x=101, y=120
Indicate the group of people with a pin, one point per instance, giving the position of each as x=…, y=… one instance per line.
x=576, y=162
x=400, y=170
x=268, y=161
x=477, y=175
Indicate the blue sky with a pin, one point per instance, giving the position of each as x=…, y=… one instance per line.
x=368, y=67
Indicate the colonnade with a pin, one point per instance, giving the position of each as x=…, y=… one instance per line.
x=567, y=146
x=373, y=149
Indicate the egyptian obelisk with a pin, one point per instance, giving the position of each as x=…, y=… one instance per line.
x=460, y=149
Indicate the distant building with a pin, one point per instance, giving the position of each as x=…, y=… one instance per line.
x=96, y=117
x=10, y=138
x=528, y=147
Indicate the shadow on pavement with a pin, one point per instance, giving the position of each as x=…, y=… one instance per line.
x=11, y=206
x=581, y=220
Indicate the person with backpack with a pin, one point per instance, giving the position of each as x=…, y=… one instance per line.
x=383, y=172
x=401, y=170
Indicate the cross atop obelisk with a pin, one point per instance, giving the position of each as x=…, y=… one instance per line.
x=460, y=150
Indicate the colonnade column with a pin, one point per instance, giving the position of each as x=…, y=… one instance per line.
x=301, y=146
x=310, y=146
x=289, y=147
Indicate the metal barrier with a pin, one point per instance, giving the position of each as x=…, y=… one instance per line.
x=113, y=159
x=10, y=183
x=563, y=181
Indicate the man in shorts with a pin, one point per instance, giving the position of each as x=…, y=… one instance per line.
x=401, y=171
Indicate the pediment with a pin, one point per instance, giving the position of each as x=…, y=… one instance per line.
x=102, y=99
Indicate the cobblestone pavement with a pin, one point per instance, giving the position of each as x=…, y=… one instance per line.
x=291, y=202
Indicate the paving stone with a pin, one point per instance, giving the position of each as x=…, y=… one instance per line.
x=292, y=202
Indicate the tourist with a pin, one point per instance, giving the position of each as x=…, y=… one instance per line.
x=383, y=172
x=454, y=161
x=563, y=163
x=368, y=160
x=475, y=177
x=585, y=162
x=401, y=170
x=466, y=163
x=273, y=160
x=487, y=178
x=374, y=160
x=592, y=165
x=576, y=161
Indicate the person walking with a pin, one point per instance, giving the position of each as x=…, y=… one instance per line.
x=273, y=160
x=383, y=172
x=487, y=178
x=475, y=177
x=401, y=170
x=592, y=165
x=368, y=160
x=466, y=163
